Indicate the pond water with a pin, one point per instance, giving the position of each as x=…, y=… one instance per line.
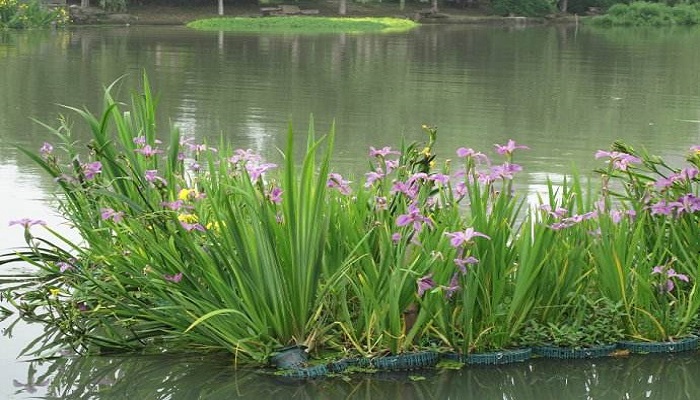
x=564, y=91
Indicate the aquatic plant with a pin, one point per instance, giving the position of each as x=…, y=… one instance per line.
x=647, y=246
x=189, y=245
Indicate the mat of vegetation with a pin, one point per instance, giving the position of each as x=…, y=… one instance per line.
x=303, y=24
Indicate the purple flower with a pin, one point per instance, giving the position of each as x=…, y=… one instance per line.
x=557, y=213
x=173, y=278
x=484, y=178
x=141, y=140
x=618, y=215
x=508, y=148
x=172, y=205
x=440, y=178
x=380, y=203
x=336, y=181
x=108, y=213
x=148, y=151
x=670, y=273
x=391, y=165
x=408, y=189
x=665, y=183
x=198, y=148
x=452, y=287
x=383, y=152
x=661, y=208
x=470, y=153
x=688, y=173
x=425, y=283
x=395, y=237
x=275, y=195
x=505, y=171
x=413, y=217
x=245, y=156
x=463, y=262
x=46, y=149
x=457, y=239
x=372, y=177
x=255, y=170
x=687, y=203
x=91, y=169
x=195, y=166
x=620, y=161
x=151, y=175
x=417, y=177
x=26, y=222
x=64, y=266
x=192, y=227
x=461, y=189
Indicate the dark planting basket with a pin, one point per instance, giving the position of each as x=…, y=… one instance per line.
x=315, y=371
x=492, y=358
x=567, y=353
x=685, y=344
x=406, y=361
x=289, y=357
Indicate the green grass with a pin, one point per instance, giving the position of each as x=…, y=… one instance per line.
x=303, y=24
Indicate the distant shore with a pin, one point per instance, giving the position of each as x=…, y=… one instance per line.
x=173, y=15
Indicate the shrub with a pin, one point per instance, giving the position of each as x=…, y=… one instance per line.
x=649, y=14
x=28, y=15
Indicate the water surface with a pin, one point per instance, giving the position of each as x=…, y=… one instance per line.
x=563, y=91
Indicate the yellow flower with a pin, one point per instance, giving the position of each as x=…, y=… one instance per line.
x=425, y=151
x=54, y=292
x=187, y=218
x=188, y=194
x=216, y=225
